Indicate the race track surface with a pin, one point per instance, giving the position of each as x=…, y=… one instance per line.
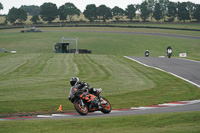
x=143, y=33
x=188, y=70
x=181, y=106
x=120, y=32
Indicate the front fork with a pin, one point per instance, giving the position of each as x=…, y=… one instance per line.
x=81, y=102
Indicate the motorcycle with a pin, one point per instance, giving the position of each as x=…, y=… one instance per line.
x=146, y=54
x=82, y=106
x=169, y=53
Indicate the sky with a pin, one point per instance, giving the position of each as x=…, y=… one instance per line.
x=80, y=4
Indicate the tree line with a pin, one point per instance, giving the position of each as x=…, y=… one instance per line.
x=164, y=10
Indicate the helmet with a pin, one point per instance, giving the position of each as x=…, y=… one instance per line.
x=74, y=81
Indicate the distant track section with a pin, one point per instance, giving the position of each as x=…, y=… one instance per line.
x=187, y=70
x=143, y=33
x=120, y=32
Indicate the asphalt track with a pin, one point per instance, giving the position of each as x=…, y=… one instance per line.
x=195, y=106
x=187, y=70
x=143, y=33
x=120, y=32
x=181, y=106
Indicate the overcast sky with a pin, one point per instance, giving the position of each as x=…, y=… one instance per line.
x=80, y=4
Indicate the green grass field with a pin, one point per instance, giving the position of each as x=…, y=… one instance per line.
x=36, y=80
x=99, y=43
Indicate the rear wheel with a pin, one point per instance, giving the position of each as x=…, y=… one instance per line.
x=106, y=107
x=81, y=109
x=169, y=55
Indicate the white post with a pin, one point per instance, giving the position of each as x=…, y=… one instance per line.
x=69, y=46
x=76, y=46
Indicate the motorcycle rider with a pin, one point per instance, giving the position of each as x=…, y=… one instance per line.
x=146, y=53
x=169, y=47
x=85, y=91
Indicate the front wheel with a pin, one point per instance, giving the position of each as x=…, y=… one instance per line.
x=106, y=106
x=81, y=109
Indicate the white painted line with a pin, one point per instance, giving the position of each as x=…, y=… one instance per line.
x=196, y=101
x=97, y=112
x=142, y=108
x=191, y=102
x=161, y=56
x=44, y=116
x=59, y=115
x=164, y=71
x=112, y=111
x=165, y=105
x=171, y=104
x=134, y=108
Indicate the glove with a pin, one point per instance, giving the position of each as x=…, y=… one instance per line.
x=94, y=89
x=84, y=88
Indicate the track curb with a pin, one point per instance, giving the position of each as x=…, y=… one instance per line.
x=65, y=115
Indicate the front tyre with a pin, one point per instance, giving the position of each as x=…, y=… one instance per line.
x=81, y=109
x=106, y=106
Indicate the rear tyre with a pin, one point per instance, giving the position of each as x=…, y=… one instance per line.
x=106, y=108
x=81, y=109
x=169, y=55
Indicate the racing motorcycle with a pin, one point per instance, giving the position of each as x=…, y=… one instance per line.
x=169, y=53
x=82, y=106
x=146, y=54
